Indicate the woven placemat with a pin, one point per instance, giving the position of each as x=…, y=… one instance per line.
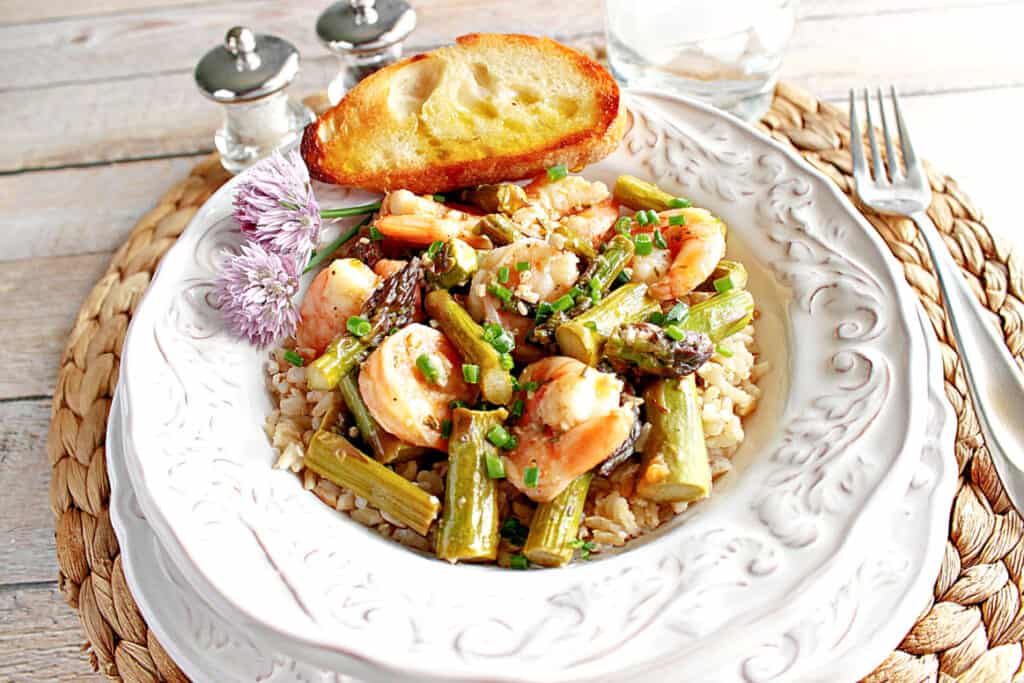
x=971, y=630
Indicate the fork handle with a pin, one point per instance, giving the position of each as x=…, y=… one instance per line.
x=993, y=379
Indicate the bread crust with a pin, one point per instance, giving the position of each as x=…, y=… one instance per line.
x=575, y=150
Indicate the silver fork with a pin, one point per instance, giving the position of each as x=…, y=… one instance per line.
x=993, y=379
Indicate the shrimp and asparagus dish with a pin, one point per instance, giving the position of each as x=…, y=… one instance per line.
x=519, y=374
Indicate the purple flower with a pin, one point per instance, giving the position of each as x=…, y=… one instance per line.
x=256, y=290
x=275, y=206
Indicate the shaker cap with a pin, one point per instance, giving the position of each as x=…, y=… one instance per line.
x=248, y=66
x=357, y=26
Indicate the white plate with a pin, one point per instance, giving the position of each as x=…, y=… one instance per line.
x=840, y=639
x=832, y=447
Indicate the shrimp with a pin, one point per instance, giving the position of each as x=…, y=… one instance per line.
x=695, y=248
x=593, y=222
x=551, y=274
x=421, y=220
x=398, y=395
x=560, y=197
x=570, y=424
x=336, y=293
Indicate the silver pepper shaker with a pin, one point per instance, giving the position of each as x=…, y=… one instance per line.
x=248, y=75
x=365, y=35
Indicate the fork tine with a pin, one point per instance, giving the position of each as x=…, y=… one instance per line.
x=895, y=173
x=910, y=159
x=856, y=142
x=876, y=158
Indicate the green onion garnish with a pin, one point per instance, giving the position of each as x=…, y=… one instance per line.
x=652, y=217
x=531, y=475
x=471, y=373
x=676, y=313
x=294, y=358
x=500, y=291
x=434, y=248
x=358, y=326
x=498, y=435
x=457, y=403
x=641, y=217
x=516, y=411
x=495, y=466
x=557, y=172
x=446, y=429
x=503, y=274
x=562, y=303
x=522, y=266
x=678, y=219
x=349, y=211
x=723, y=284
x=426, y=365
x=439, y=198
x=624, y=225
x=585, y=547
x=643, y=244
x=675, y=332
x=506, y=361
x=514, y=531
x=544, y=309
x=622, y=278
x=657, y=318
x=499, y=338
x=511, y=443
x=531, y=386
x=679, y=203
x=659, y=240
x=518, y=562
x=724, y=352
x=376, y=234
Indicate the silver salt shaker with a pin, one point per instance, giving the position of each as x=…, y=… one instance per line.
x=365, y=35
x=248, y=75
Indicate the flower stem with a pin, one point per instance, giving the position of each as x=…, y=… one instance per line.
x=320, y=255
x=350, y=211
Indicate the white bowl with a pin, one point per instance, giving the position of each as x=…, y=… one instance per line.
x=829, y=452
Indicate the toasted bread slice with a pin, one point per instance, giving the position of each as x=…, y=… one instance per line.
x=491, y=107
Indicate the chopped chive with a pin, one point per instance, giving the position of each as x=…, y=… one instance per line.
x=498, y=435
x=722, y=351
x=471, y=373
x=585, y=547
x=531, y=475
x=679, y=203
x=495, y=466
x=322, y=254
x=434, y=248
x=659, y=240
x=500, y=291
x=457, y=403
x=575, y=292
x=724, y=284
x=641, y=217
x=658, y=318
x=348, y=210
x=514, y=531
x=376, y=234
x=503, y=274
x=678, y=219
x=439, y=198
x=676, y=313
x=562, y=303
x=531, y=386
x=358, y=326
x=446, y=429
x=516, y=411
x=426, y=365
x=652, y=217
x=643, y=244
x=499, y=338
x=675, y=332
x=294, y=358
x=511, y=444
x=518, y=562
x=622, y=278
x=506, y=362
x=624, y=225
x=557, y=172
x=590, y=325
x=544, y=309
x=522, y=266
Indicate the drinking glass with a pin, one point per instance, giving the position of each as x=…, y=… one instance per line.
x=724, y=52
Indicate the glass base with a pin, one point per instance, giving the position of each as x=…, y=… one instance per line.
x=254, y=130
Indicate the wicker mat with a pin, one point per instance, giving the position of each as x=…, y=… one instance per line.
x=972, y=630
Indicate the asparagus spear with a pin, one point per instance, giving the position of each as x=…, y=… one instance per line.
x=574, y=242
x=555, y=524
x=453, y=265
x=727, y=275
x=499, y=229
x=333, y=457
x=500, y=198
x=469, y=521
x=648, y=349
x=675, y=465
x=391, y=305
x=639, y=194
x=468, y=337
x=387, y=448
x=720, y=316
x=583, y=336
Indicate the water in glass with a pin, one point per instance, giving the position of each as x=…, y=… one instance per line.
x=725, y=52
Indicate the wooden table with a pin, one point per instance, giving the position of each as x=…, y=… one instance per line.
x=100, y=115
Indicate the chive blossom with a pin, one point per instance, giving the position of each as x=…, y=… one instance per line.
x=358, y=326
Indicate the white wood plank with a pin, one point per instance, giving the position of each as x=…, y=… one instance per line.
x=41, y=638
x=41, y=298
x=80, y=210
x=27, y=553
x=20, y=11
